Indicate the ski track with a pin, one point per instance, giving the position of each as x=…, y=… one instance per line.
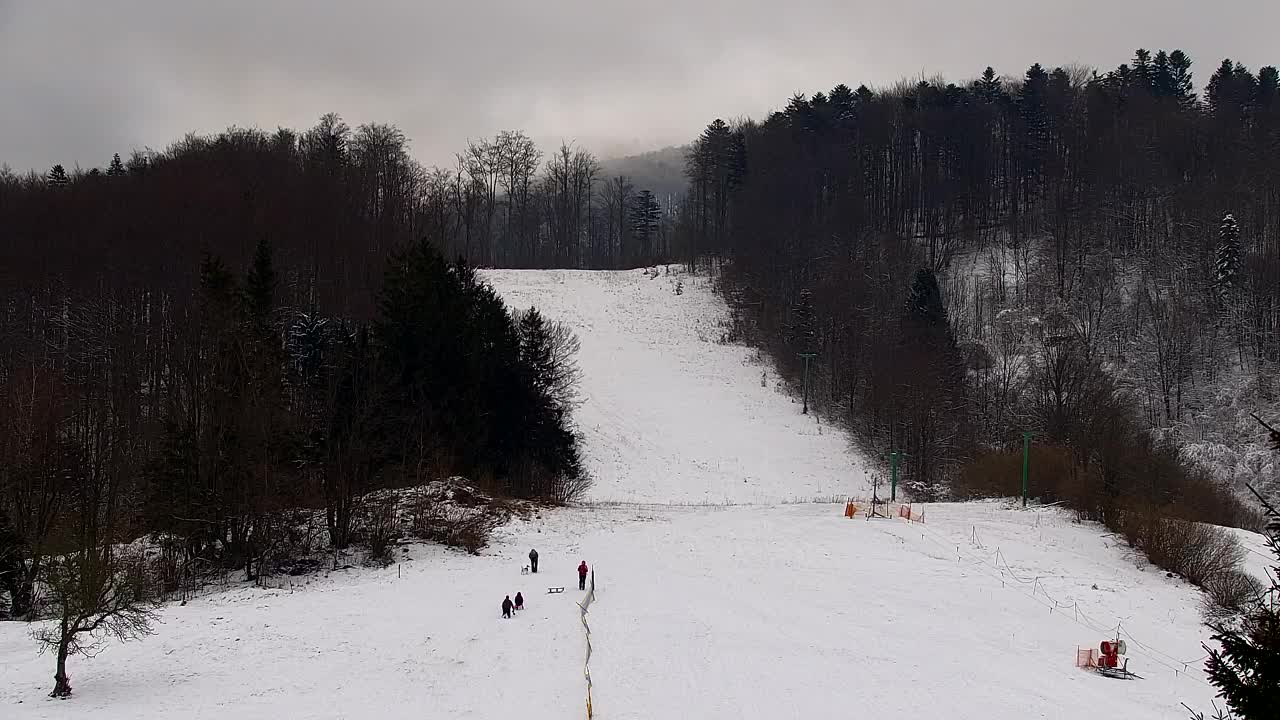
x=669, y=414
x=764, y=610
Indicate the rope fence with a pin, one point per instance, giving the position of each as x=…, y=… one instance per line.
x=1041, y=596
x=586, y=664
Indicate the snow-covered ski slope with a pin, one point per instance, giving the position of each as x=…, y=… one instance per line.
x=671, y=415
x=788, y=611
x=765, y=610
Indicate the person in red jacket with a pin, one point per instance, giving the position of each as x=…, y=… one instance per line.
x=582, y=575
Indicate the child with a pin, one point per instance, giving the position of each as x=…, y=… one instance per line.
x=519, y=601
x=582, y=576
x=506, y=607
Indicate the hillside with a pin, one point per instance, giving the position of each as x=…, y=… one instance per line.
x=670, y=414
x=661, y=171
x=767, y=610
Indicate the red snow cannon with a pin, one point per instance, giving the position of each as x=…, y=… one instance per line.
x=1111, y=652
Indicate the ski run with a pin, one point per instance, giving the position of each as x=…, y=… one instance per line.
x=728, y=582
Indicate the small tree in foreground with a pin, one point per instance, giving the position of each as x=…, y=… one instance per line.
x=1246, y=668
x=95, y=595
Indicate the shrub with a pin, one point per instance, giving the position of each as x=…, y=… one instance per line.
x=1055, y=475
x=1195, y=551
x=379, y=530
x=1230, y=593
x=451, y=525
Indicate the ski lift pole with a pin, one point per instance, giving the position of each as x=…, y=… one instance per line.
x=807, y=357
x=1026, y=462
x=893, y=476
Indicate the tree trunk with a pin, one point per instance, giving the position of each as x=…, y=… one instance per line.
x=21, y=596
x=62, y=683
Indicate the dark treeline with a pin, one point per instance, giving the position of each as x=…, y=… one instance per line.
x=1078, y=255
x=203, y=343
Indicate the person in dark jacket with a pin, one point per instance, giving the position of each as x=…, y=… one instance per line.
x=519, y=601
x=533, y=561
x=582, y=575
x=506, y=607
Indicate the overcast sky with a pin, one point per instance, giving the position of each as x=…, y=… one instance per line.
x=80, y=79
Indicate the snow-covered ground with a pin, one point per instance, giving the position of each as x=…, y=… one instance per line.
x=768, y=610
x=740, y=612
x=671, y=415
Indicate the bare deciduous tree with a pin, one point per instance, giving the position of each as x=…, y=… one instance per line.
x=96, y=594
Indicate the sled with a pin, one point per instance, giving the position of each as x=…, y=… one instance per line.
x=1119, y=673
x=554, y=590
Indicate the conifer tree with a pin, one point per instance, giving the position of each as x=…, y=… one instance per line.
x=116, y=168
x=1246, y=668
x=924, y=302
x=57, y=176
x=988, y=86
x=645, y=216
x=1227, y=265
x=260, y=286
x=535, y=349
x=804, y=327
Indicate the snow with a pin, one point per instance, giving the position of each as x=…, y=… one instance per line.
x=776, y=609
x=670, y=415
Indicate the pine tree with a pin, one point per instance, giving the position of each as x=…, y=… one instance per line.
x=57, y=176
x=260, y=286
x=842, y=103
x=1183, y=90
x=1230, y=93
x=1246, y=670
x=1268, y=88
x=988, y=87
x=1143, y=72
x=535, y=349
x=804, y=328
x=1227, y=266
x=924, y=302
x=645, y=215
x=1032, y=103
x=116, y=168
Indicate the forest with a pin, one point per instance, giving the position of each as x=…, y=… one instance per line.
x=198, y=341
x=1086, y=257
x=208, y=348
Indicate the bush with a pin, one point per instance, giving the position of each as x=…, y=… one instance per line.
x=1143, y=491
x=1055, y=475
x=379, y=530
x=454, y=513
x=1195, y=551
x=1230, y=593
x=451, y=525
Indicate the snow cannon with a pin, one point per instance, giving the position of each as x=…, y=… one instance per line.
x=1111, y=652
x=1108, y=664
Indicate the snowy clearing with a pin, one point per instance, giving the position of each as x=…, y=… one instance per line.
x=753, y=611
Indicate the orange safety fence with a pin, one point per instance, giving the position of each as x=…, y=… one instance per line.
x=909, y=514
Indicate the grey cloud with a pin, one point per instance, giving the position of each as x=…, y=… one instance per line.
x=82, y=79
